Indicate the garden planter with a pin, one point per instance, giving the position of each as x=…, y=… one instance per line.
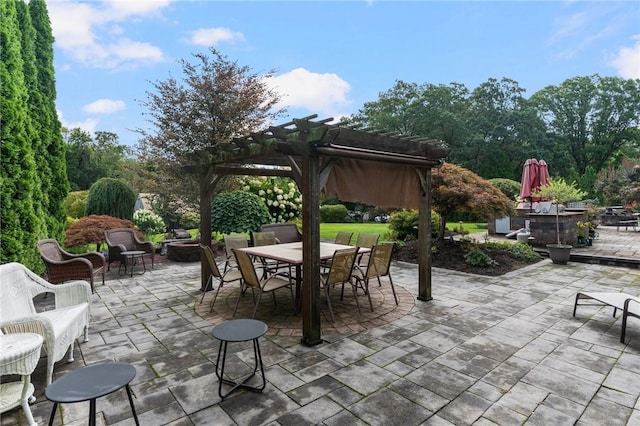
x=559, y=253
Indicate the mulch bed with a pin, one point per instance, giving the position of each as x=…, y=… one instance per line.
x=450, y=255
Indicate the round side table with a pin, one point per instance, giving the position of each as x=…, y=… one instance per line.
x=131, y=259
x=239, y=330
x=88, y=384
x=19, y=354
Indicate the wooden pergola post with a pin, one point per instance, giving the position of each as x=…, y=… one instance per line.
x=424, y=236
x=311, y=309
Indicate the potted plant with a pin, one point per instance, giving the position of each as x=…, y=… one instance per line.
x=559, y=192
x=584, y=233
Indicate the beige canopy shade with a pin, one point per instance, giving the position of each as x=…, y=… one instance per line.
x=372, y=167
x=379, y=184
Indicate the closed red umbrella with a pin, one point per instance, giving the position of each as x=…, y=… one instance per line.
x=529, y=179
x=543, y=173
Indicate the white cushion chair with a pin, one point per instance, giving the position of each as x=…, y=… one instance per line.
x=59, y=327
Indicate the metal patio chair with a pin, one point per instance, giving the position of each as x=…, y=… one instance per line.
x=230, y=276
x=378, y=266
x=339, y=274
x=266, y=284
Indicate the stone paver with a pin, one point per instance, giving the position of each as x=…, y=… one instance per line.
x=484, y=351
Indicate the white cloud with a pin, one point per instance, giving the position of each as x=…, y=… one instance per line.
x=104, y=106
x=627, y=60
x=90, y=33
x=214, y=36
x=325, y=94
x=126, y=8
x=88, y=125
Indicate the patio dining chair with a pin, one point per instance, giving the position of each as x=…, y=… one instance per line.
x=266, y=284
x=266, y=238
x=232, y=242
x=366, y=241
x=378, y=266
x=229, y=276
x=339, y=274
x=343, y=238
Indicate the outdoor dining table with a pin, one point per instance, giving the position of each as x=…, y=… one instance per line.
x=291, y=254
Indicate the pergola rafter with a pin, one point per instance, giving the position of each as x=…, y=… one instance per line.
x=337, y=159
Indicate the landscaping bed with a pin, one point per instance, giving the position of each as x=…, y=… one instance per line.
x=451, y=255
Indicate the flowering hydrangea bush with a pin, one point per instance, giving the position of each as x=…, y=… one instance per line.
x=280, y=195
x=148, y=222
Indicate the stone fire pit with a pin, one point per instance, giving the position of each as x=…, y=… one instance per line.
x=184, y=251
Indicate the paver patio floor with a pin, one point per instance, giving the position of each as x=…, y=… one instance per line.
x=486, y=350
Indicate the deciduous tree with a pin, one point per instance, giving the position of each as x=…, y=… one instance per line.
x=216, y=100
x=456, y=189
x=591, y=119
x=90, y=230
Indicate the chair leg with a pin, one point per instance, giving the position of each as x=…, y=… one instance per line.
x=215, y=296
x=355, y=295
x=326, y=292
x=368, y=293
x=237, y=303
x=293, y=298
x=207, y=287
x=624, y=326
x=255, y=309
x=70, y=359
x=575, y=305
x=393, y=289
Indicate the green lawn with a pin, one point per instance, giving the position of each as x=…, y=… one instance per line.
x=328, y=231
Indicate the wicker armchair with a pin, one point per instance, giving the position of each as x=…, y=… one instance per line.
x=62, y=266
x=125, y=239
x=59, y=327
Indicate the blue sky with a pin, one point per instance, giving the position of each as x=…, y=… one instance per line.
x=330, y=57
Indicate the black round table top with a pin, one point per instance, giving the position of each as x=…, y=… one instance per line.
x=90, y=382
x=239, y=330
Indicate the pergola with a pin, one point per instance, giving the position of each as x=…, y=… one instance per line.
x=361, y=165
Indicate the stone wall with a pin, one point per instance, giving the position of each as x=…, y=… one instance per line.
x=543, y=226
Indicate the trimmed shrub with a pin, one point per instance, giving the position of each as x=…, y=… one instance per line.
x=334, y=213
x=112, y=197
x=238, y=211
x=76, y=203
x=509, y=187
x=404, y=224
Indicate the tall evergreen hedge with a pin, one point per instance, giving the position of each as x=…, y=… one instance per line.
x=19, y=224
x=51, y=146
x=31, y=193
